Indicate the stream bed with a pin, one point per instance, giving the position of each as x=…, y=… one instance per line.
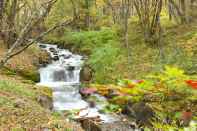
x=63, y=77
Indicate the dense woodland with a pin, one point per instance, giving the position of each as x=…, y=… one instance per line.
x=153, y=41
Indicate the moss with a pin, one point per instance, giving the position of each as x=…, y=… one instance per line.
x=46, y=91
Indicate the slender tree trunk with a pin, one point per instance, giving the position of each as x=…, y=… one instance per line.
x=1, y=17
x=87, y=13
x=11, y=36
x=149, y=16
x=109, y=2
x=1, y=8
x=75, y=14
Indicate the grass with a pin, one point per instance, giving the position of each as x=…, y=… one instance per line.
x=16, y=89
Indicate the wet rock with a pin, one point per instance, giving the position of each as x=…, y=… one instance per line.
x=66, y=56
x=60, y=46
x=91, y=103
x=52, y=49
x=44, y=58
x=140, y=111
x=55, y=58
x=86, y=74
x=45, y=98
x=42, y=46
x=55, y=53
x=70, y=68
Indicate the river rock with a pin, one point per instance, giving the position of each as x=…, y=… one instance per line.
x=66, y=56
x=60, y=46
x=142, y=112
x=55, y=58
x=71, y=68
x=42, y=46
x=52, y=50
x=90, y=125
x=44, y=58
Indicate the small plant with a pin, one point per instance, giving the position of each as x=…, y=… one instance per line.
x=110, y=108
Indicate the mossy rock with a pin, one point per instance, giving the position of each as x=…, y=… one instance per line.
x=30, y=75
x=43, y=58
x=8, y=71
x=46, y=91
x=45, y=98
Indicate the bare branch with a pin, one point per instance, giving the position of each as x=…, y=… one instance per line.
x=11, y=54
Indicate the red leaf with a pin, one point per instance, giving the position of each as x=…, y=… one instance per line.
x=192, y=83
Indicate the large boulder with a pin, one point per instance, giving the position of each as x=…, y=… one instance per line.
x=140, y=111
x=32, y=75
x=90, y=125
x=44, y=58
x=86, y=74
x=45, y=97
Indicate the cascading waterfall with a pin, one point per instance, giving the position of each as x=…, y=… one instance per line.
x=63, y=76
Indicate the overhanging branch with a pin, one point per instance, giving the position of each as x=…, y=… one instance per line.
x=9, y=55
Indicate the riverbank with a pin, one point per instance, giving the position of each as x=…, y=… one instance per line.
x=19, y=105
x=19, y=108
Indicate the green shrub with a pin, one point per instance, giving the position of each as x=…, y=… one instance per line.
x=103, y=46
x=89, y=40
x=104, y=61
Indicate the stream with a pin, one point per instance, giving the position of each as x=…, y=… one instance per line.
x=63, y=77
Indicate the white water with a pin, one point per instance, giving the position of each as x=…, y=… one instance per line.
x=63, y=76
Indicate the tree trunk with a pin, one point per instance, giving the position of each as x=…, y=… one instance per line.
x=75, y=14
x=11, y=34
x=149, y=16
x=1, y=8
x=1, y=17
x=87, y=13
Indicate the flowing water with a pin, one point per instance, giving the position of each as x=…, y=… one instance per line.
x=63, y=76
